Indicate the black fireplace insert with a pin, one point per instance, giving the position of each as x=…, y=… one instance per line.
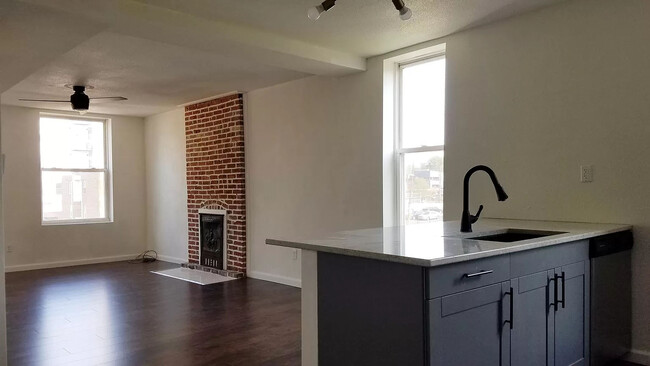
x=213, y=240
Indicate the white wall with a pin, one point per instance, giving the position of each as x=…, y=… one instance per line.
x=311, y=165
x=3, y=307
x=35, y=245
x=537, y=96
x=533, y=97
x=166, y=185
x=30, y=41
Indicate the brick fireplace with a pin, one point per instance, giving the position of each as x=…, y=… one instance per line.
x=214, y=140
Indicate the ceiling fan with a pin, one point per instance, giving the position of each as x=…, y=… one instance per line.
x=79, y=100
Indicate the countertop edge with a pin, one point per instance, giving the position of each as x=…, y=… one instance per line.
x=351, y=252
x=525, y=245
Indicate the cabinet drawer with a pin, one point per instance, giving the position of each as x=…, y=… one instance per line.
x=464, y=276
x=536, y=260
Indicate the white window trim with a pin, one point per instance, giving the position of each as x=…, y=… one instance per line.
x=108, y=176
x=401, y=152
x=393, y=154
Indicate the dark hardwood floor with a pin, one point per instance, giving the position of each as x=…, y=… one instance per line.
x=120, y=314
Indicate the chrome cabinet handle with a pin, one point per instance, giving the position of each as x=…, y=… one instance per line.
x=480, y=273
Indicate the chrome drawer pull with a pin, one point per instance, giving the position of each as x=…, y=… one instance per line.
x=481, y=273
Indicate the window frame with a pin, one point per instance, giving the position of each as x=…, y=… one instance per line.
x=399, y=151
x=107, y=170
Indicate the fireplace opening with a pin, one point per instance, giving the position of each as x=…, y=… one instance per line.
x=212, y=234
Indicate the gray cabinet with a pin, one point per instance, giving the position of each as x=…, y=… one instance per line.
x=530, y=332
x=570, y=321
x=370, y=313
x=379, y=313
x=467, y=328
x=551, y=320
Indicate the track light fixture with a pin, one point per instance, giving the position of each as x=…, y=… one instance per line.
x=404, y=11
x=314, y=12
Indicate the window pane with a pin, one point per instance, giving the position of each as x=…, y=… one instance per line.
x=73, y=195
x=72, y=144
x=423, y=104
x=423, y=183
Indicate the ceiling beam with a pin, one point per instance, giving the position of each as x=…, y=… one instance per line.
x=173, y=27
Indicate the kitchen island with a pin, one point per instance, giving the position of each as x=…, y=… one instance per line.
x=512, y=292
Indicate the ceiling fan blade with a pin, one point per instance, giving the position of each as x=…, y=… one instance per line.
x=45, y=100
x=107, y=99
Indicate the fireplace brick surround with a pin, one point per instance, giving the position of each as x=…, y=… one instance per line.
x=214, y=143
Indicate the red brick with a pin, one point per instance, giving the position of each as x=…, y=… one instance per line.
x=214, y=132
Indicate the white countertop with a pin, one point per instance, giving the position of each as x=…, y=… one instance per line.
x=436, y=244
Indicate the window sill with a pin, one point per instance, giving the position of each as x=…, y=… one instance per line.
x=76, y=222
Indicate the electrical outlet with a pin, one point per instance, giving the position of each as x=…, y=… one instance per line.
x=586, y=173
x=295, y=254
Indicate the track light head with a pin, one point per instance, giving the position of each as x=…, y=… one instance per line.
x=404, y=12
x=315, y=12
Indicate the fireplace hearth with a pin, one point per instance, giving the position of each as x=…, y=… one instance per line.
x=212, y=238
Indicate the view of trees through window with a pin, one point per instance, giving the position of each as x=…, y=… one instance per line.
x=421, y=142
x=73, y=169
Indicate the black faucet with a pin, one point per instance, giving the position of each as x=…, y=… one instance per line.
x=467, y=220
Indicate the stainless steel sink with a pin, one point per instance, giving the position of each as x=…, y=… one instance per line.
x=512, y=235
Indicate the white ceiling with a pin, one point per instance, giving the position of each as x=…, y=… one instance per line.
x=360, y=27
x=153, y=76
x=163, y=53
x=31, y=37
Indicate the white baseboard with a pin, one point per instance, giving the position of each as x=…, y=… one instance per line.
x=169, y=259
x=70, y=263
x=639, y=356
x=289, y=281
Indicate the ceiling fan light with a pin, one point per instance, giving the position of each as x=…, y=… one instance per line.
x=79, y=101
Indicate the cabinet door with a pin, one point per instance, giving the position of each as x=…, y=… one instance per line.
x=530, y=331
x=571, y=317
x=467, y=328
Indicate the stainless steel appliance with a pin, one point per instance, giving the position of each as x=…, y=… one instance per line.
x=611, y=297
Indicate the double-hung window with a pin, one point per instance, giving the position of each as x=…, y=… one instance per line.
x=420, y=139
x=75, y=170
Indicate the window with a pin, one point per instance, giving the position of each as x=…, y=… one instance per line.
x=75, y=170
x=420, y=139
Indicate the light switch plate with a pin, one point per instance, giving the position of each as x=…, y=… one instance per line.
x=586, y=173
